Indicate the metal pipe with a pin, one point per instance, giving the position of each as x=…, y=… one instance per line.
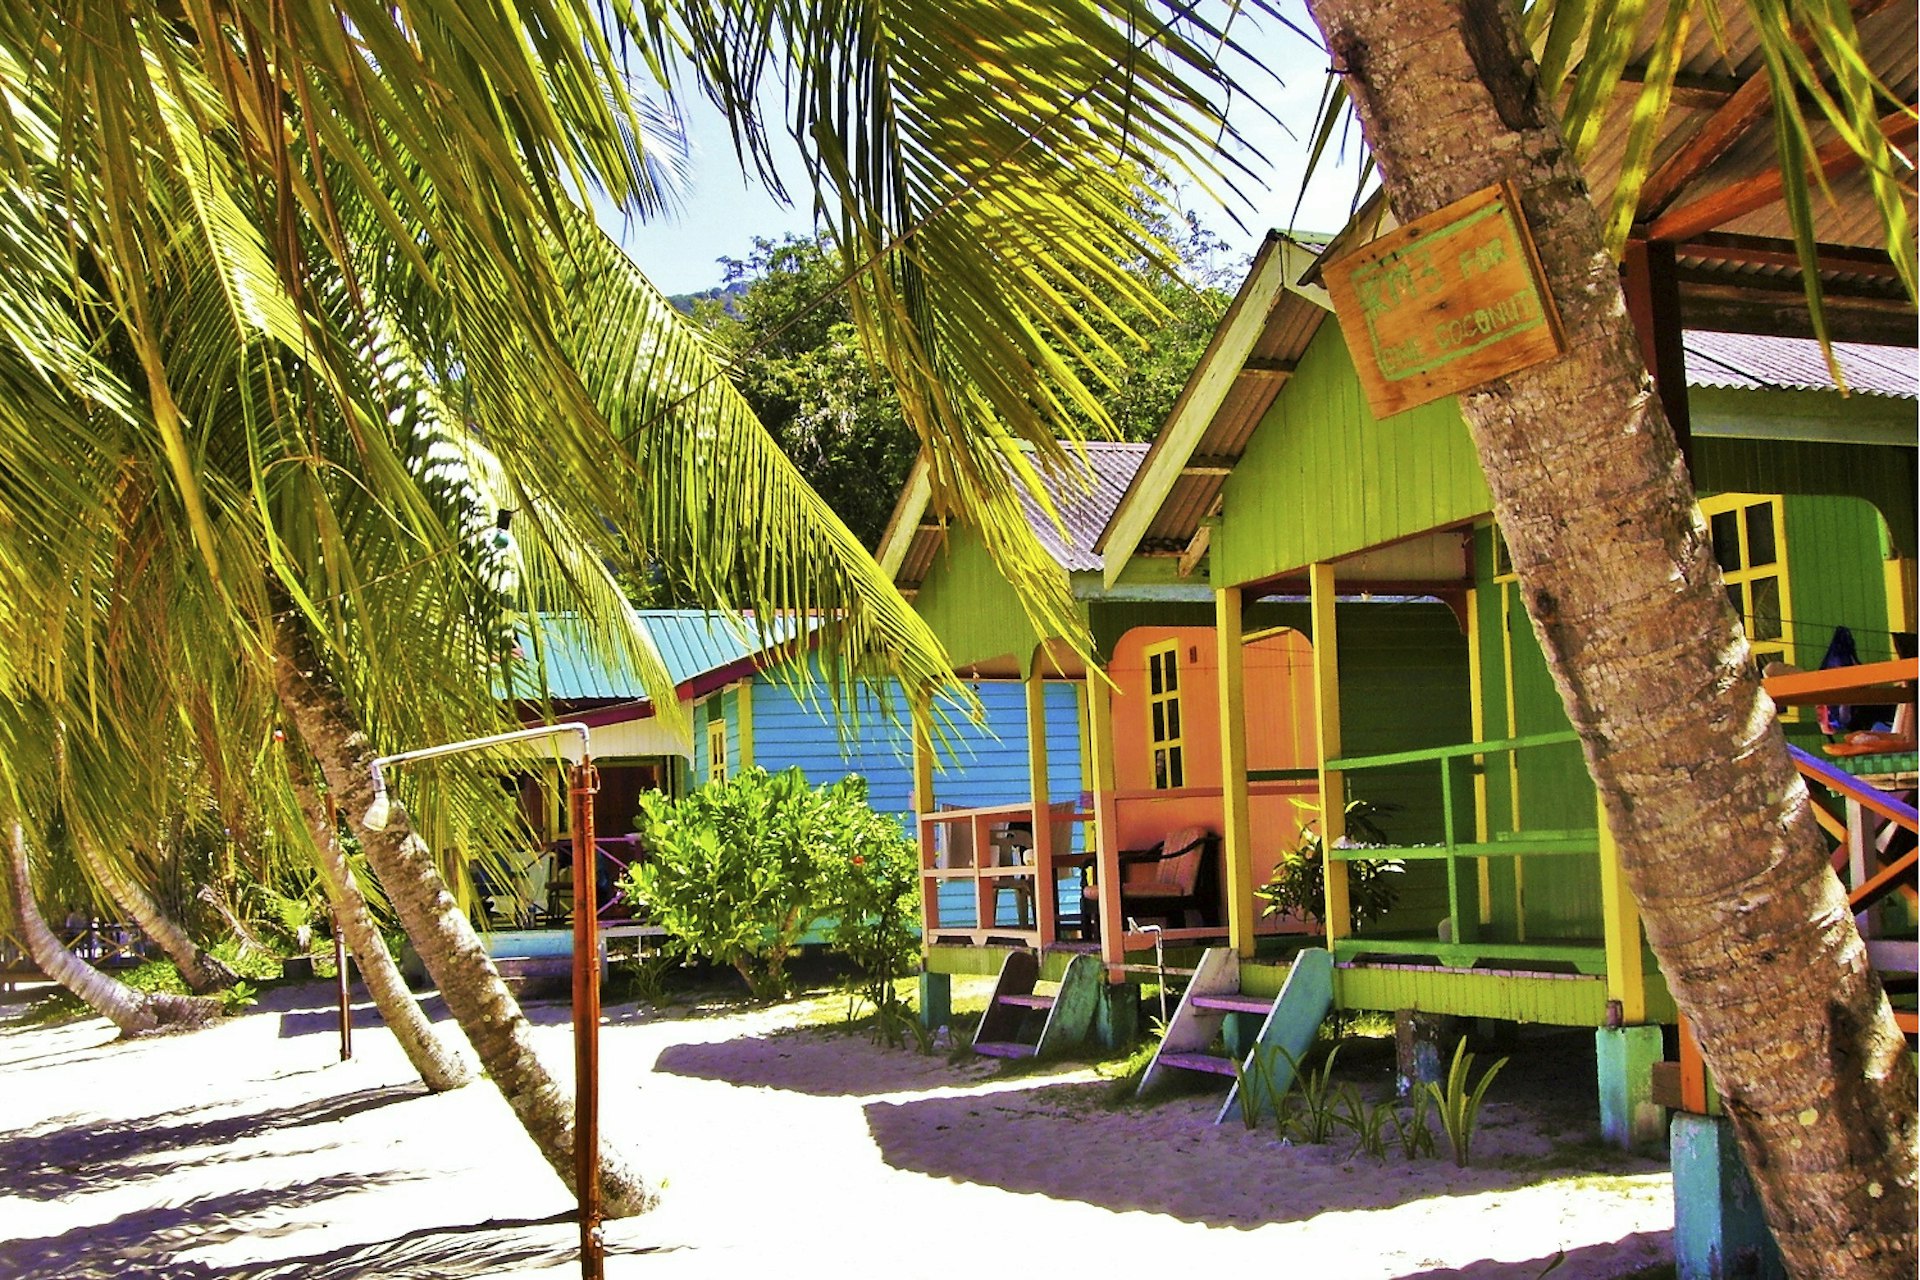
x=585, y=782
x=346, y=998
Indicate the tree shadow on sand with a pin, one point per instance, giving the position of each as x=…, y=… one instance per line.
x=66, y=1159
x=813, y=1062
x=1057, y=1141
x=434, y=1253
x=1641, y=1249
x=145, y=1241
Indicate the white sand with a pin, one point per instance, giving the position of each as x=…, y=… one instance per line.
x=250, y=1151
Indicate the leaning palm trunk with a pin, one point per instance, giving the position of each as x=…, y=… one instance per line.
x=1713, y=826
x=203, y=972
x=448, y=946
x=136, y=1013
x=441, y=1068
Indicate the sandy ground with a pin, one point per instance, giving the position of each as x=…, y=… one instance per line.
x=250, y=1151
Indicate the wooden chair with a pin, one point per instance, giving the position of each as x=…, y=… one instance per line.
x=1175, y=881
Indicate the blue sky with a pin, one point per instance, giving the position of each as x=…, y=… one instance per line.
x=723, y=211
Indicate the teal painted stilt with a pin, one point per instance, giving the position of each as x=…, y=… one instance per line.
x=936, y=1000
x=1719, y=1232
x=1629, y=1117
x=1116, y=1022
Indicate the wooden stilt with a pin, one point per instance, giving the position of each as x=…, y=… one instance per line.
x=1236, y=818
x=1326, y=720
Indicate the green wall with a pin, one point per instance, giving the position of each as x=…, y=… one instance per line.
x=1883, y=475
x=1322, y=476
x=973, y=610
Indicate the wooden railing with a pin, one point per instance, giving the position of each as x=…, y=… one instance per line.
x=1463, y=948
x=992, y=851
x=106, y=943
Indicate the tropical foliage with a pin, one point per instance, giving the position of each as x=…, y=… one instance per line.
x=789, y=337
x=738, y=871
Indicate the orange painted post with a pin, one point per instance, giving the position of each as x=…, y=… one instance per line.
x=924, y=825
x=1693, y=1071
x=1046, y=899
x=1113, y=950
x=586, y=1020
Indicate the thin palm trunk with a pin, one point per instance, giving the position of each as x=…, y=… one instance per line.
x=440, y=1066
x=136, y=1013
x=448, y=946
x=1713, y=825
x=204, y=973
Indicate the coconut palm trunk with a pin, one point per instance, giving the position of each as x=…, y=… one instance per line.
x=136, y=1013
x=203, y=972
x=451, y=951
x=1713, y=825
x=440, y=1066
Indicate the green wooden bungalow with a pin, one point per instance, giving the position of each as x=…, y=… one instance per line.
x=1274, y=485
x=1129, y=850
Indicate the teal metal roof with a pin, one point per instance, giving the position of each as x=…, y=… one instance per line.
x=691, y=643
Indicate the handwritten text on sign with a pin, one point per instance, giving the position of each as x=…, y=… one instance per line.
x=1447, y=302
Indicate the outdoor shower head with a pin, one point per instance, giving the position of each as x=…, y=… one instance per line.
x=380, y=812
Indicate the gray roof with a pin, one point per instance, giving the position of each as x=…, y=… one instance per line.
x=1084, y=510
x=1745, y=361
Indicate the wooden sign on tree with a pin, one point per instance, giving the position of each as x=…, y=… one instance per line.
x=1445, y=303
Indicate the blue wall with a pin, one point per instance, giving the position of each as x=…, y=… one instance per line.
x=982, y=764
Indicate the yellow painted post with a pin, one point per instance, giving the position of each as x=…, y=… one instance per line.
x=1046, y=899
x=1326, y=723
x=923, y=816
x=745, y=719
x=1476, y=695
x=1106, y=836
x=1620, y=916
x=1237, y=816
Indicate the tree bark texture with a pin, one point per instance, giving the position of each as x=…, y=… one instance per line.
x=451, y=951
x=136, y=1013
x=203, y=972
x=441, y=1067
x=1713, y=825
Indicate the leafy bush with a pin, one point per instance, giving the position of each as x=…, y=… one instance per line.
x=1299, y=883
x=737, y=871
x=1459, y=1103
x=865, y=879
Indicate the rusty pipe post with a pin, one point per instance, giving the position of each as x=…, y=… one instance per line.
x=346, y=995
x=586, y=1019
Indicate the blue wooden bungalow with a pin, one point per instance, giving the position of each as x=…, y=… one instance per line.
x=1376, y=535
x=749, y=699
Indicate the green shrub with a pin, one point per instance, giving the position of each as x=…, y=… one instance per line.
x=1459, y=1103
x=866, y=877
x=737, y=872
x=1299, y=884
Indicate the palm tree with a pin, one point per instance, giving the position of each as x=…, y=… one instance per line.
x=440, y=1067
x=136, y=1013
x=276, y=315
x=1712, y=825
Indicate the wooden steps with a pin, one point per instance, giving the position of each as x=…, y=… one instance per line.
x=1021, y=1022
x=1235, y=1004
x=1212, y=1064
x=1288, y=1021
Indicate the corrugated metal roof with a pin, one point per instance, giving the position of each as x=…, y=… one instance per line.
x=1085, y=502
x=1745, y=360
x=691, y=643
